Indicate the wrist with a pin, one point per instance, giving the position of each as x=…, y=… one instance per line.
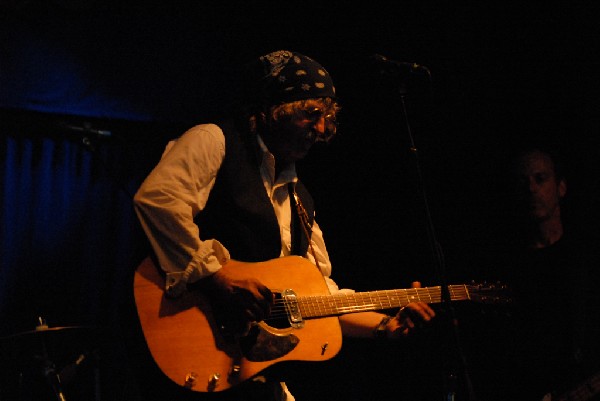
x=380, y=331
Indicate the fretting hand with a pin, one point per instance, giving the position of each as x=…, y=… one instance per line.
x=409, y=317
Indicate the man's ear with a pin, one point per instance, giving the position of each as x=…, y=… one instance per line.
x=562, y=188
x=258, y=121
x=261, y=121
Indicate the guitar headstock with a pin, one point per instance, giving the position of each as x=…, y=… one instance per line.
x=490, y=293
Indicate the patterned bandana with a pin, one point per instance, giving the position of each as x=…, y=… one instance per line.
x=290, y=76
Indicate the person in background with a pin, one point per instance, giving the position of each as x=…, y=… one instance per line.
x=541, y=187
x=544, y=348
x=228, y=191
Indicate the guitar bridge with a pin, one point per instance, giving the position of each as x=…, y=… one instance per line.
x=291, y=306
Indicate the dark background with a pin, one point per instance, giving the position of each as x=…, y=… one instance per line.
x=144, y=72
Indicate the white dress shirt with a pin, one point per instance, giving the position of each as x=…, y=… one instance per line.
x=177, y=190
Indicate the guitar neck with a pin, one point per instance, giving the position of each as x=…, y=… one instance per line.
x=343, y=303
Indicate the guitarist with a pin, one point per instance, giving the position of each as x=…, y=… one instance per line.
x=229, y=191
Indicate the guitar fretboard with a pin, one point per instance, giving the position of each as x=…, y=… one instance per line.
x=338, y=304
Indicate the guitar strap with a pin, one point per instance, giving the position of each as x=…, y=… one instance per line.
x=302, y=220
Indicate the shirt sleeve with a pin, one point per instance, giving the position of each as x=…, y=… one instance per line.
x=174, y=192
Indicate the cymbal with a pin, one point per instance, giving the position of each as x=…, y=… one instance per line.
x=56, y=356
x=59, y=344
x=43, y=330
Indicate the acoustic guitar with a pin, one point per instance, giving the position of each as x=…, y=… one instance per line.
x=194, y=349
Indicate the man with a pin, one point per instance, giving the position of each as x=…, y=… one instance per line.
x=228, y=192
x=544, y=347
x=541, y=187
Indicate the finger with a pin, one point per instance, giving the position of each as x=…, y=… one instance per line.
x=430, y=311
x=425, y=312
x=250, y=315
x=418, y=310
x=267, y=294
x=263, y=300
x=267, y=298
x=255, y=312
x=248, y=305
x=265, y=308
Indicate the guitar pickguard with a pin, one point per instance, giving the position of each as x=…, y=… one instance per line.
x=260, y=342
x=262, y=345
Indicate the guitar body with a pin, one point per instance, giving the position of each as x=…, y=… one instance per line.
x=188, y=345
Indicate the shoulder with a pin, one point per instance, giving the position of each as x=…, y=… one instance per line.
x=201, y=136
x=212, y=131
x=198, y=141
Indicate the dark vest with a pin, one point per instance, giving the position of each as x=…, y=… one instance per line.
x=239, y=213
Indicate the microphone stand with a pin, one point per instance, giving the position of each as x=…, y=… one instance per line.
x=440, y=268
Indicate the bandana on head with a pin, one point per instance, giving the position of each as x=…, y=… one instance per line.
x=290, y=76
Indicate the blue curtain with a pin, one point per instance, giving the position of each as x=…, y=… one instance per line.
x=70, y=242
x=66, y=232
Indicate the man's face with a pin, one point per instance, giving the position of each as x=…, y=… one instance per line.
x=539, y=191
x=291, y=136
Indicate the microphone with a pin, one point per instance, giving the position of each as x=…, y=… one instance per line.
x=88, y=135
x=393, y=67
x=88, y=130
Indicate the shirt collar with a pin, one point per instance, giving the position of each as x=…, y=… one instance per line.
x=287, y=175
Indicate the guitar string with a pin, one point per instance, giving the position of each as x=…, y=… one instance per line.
x=348, y=303
x=333, y=305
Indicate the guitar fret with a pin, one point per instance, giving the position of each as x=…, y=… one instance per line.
x=458, y=292
x=342, y=303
